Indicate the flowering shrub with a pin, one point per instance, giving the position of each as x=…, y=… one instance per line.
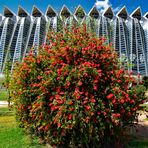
x=73, y=93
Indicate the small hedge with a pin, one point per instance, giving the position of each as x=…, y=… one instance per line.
x=73, y=93
x=145, y=81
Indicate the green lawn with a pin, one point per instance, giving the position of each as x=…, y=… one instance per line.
x=3, y=95
x=10, y=135
x=3, y=92
x=2, y=79
x=143, y=143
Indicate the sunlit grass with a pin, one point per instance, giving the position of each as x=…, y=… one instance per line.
x=3, y=95
x=11, y=135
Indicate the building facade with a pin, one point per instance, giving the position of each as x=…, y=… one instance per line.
x=128, y=33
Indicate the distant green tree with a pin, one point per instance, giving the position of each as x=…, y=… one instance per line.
x=80, y=13
x=7, y=75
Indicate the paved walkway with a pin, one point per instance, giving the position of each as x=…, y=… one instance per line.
x=4, y=104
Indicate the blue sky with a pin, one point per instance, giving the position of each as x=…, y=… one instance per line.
x=72, y=4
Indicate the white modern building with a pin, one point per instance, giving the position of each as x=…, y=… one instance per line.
x=128, y=33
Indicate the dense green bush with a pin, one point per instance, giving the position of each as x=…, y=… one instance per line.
x=145, y=81
x=73, y=93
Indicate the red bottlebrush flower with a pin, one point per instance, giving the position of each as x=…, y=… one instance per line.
x=99, y=113
x=83, y=52
x=110, y=96
x=75, y=49
x=63, y=133
x=62, y=42
x=86, y=93
x=58, y=89
x=50, y=104
x=87, y=119
x=58, y=78
x=128, y=100
x=71, y=109
x=69, y=126
x=53, y=108
x=68, y=83
x=104, y=113
x=99, y=71
x=122, y=101
x=88, y=107
x=116, y=115
x=39, y=97
x=127, y=95
x=70, y=117
x=122, y=111
x=132, y=101
x=96, y=81
x=71, y=102
x=46, y=128
x=113, y=121
x=78, y=97
x=114, y=101
x=33, y=117
x=59, y=124
x=139, y=107
x=95, y=88
x=93, y=100
x=57, y=97
x=60, y=108
x=61, y=93
x=129, y=114
x=85, y=74
x=84, y=102
x=80, y=83
x=41, y=117
x=39, y=77
x=60, y=102
x=40, y=128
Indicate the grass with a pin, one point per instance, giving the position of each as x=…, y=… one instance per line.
x=2, y=79
x=11, y=135
x=4, y=112
x=142, y=143
x=3, y=95
x=3, y=92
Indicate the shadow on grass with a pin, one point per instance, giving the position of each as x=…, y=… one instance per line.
x=138, y=143
x=138, y=138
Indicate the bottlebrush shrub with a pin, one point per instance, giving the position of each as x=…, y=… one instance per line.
x=73, y=93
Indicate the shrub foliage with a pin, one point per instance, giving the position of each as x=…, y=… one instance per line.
x=145, y=81
x=73, y=92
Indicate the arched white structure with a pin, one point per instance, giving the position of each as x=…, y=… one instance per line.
x=129, y=34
